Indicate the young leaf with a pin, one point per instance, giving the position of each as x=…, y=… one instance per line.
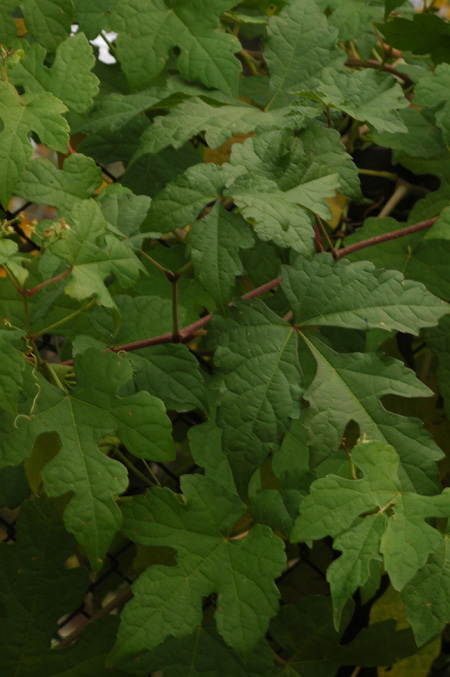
x=215, y=242
x=81, y=246
x=363, y=297
x=41, y=113
x=256, y=356
x=349, y=387
x=406, y=539
x=167, y=600
x=76, y=87
x=80, y=417
x=147, y=33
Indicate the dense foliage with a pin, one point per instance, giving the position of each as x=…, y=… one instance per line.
x=225, y=275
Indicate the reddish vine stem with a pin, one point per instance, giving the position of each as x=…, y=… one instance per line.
x=30, y=292
x=353, y=62
x=188, y=333
x=377, y=239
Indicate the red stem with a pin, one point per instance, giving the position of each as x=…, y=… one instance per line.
x=377, y=239
x=30, y=292
x=353, y=62
x=192, y=330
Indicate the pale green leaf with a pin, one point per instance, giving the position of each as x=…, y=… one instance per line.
x=74, y=86
x=215, y=242
x=148, y=32
x=363, y=297
x=168, y=600
x=93, y=255
x=77, y=180
x=334, y=504
x=14, y=260
x=41, y=113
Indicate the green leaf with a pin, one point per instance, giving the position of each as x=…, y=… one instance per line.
x=14, y=487
x=205, y=653
x=8, y=27
x=214, y=243
x=427, y=595
x=13, y=260
x=417, y=258
x=125, y=212
x=113, y=110
x=300, y=44
x=62, y=188
x=93, y=17
x=282, y=180
x=425, y=34
x=312, y=647
x=397, y=528
x=75, y=86
x=167, y=600
x=181, y=201
x=353, y=20
x=147, y=33
x=363, y=297
x=41, y=113
x=194, y=116
x=423, y=140
x=431, y=92
x=80, y=417
x=171, y=373
x=438, y=340
x=364, y=95
x=150, y=173
x=349, y=387
x=205, y=444
x=256, y=356
x=93, y=255
x=49, y=21
x=37, y=589
x=11, y=368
